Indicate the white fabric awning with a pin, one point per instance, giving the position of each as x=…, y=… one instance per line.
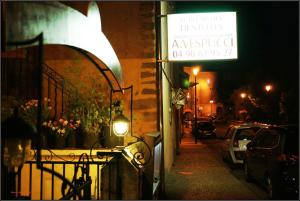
x=62, y=25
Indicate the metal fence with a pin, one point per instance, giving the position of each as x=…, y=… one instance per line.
x=93, y=177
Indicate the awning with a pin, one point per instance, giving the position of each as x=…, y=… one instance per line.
x=62, y=25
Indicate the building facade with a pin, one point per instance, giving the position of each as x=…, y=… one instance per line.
x=137, y=32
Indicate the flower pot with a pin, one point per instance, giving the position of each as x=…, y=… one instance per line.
x=91, y=140
x=79, y=137
x=60, y=142
x=71, y=139
x=44, y=142
x=55, y=141
x=110, y=140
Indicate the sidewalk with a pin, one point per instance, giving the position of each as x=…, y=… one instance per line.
x=199, y=173
x=182, y=173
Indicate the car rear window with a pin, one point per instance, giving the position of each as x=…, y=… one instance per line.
x=246, y=133
x=205, y=125
x=229, y=132
x=188, y=116
x=291, y=145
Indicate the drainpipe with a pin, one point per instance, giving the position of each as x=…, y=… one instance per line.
x=3, y=24
x=160, y=121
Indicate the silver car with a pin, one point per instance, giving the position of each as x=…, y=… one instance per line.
x=237, y=137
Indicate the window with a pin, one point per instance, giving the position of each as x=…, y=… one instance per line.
x=291, y=145
x=207, y=126
x=268, y=139
x=245, y=134
x=229, y=132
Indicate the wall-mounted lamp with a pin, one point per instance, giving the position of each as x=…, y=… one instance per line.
x=120, y=125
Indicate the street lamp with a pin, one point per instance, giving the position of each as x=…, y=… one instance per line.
x=243, y=95
x=211, y=102
x=208, y=81
x=268, y=87
x=195, y=72
x=210, y=88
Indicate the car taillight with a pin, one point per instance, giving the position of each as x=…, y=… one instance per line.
x=285, y=158
x=281, y=157
x=236, y=143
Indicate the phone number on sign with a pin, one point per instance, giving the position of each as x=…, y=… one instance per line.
x=202, y=54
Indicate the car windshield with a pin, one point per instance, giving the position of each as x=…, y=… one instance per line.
x=246, y=133
x=291, y=145
x=204, y=119
x=188, y=116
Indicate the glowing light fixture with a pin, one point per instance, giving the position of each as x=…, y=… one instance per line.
x=208, y=81
x=211, y=101
x=120, y=125
x=268, y=87
x=196, y=70
x=243, y=95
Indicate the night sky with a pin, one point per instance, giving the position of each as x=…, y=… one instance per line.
x=268, y=44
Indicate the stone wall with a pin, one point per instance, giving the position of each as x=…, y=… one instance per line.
x=130, y=28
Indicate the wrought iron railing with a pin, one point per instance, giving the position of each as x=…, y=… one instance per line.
x=51, y=175
x=95, y=177
x=61, y=87
x=18, y=67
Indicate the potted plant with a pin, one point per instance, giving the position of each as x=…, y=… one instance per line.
x=28, y=110
x=94, y=115
x=59, y=132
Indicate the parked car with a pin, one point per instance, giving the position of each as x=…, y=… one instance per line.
x=272, y=159
x=187, y=118
x=235, y=140
x=204, y=129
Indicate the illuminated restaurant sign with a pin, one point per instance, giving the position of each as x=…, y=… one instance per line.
x=202, y=36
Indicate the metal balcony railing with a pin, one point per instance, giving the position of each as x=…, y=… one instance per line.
x=93, y=177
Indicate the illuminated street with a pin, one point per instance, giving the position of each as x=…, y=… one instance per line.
x=149, y=100
x=200, y=174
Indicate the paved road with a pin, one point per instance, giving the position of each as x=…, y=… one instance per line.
x=200, y=174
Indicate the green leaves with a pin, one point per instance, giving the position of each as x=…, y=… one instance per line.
x=91, y=110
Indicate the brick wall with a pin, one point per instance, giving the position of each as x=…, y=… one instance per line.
x=129, y=26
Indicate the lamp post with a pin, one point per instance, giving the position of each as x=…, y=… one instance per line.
x=269, y=103
x=211, y=102
x=243, y=95
x=195, y=72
